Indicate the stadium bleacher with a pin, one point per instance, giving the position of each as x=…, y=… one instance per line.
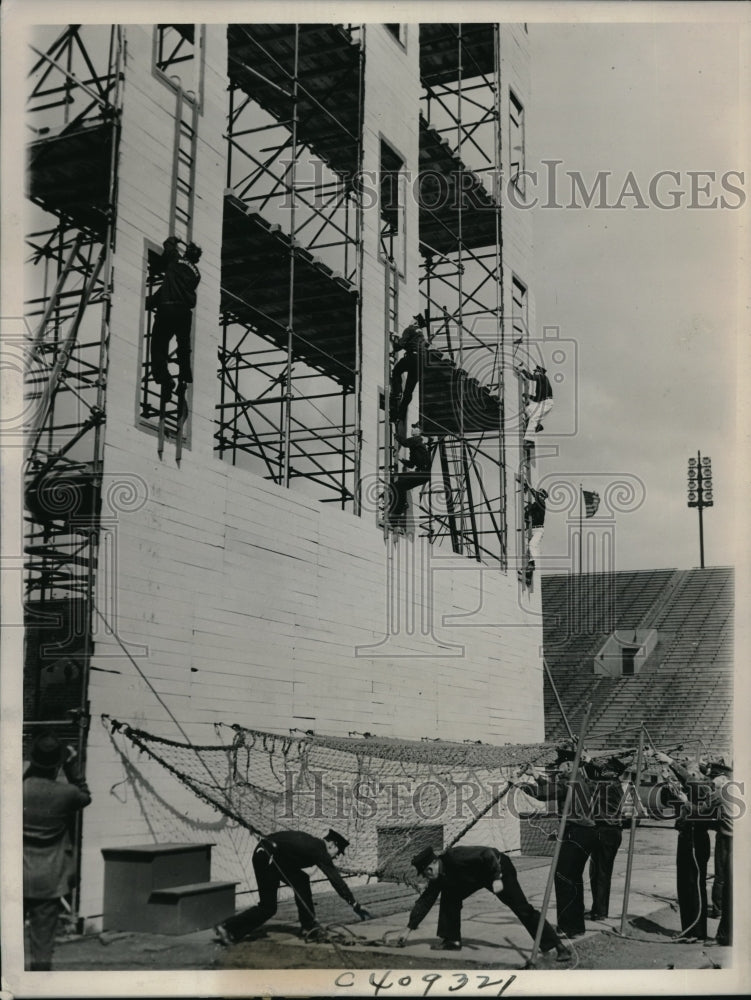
x=682, y=694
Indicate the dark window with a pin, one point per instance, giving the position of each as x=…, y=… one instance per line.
x=178, y=58
x=516, y=141
x=628, y=655
x=393, y=205
x=175, y=47
x=518, y=309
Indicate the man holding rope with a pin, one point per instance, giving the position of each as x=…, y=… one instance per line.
x=458, y=873
x=698, y=803
x=280, y=859
x=722, y=889
x=608, y=832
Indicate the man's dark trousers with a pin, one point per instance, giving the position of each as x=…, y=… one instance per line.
x=722, y=845
x=172, y=319
x=578, y=844
x=511, y=895
x=692, y=857
x=404, y=482
x=409, y=363
x=725, y=926
x=268, y=878
x=42, y=914
x=601, y=866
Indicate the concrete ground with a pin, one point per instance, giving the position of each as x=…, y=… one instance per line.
x=492, y=937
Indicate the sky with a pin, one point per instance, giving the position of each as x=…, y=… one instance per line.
x=651, y=296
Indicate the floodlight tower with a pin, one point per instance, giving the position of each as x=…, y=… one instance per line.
x=700, y=492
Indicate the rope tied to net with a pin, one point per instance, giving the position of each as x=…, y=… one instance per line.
x=340, y=934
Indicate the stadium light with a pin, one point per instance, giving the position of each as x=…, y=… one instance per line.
x=700, y=493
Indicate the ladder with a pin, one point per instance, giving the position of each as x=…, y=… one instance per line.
x=182, y=199
x=456, y=475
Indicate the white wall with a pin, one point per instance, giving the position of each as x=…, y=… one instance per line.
x=256, y=605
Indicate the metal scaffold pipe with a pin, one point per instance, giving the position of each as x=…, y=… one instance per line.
x=291, y=311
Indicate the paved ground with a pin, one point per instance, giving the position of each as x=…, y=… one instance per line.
x=492, y=937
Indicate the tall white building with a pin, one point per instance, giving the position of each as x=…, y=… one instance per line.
x=340, y=179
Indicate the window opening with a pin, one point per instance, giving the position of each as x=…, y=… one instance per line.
x=393, y=207
x=516, y=142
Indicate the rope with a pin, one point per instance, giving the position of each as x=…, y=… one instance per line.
x=366, y=758
x=136, y=737
x=143, y=676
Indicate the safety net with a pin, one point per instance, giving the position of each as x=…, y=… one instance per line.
x=388, y=797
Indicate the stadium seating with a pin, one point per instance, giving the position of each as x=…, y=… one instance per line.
x=683, y=694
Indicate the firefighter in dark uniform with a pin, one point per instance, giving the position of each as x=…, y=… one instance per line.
x=535, y=507
x=281, y=859
x=458, y=873
x=722, y=888
x=698, y=801
x=412, y=342
x=579, y=842
x=592, y=833
x=608, y=830
x=174, y=302
x=539, y=401
x=416, y=471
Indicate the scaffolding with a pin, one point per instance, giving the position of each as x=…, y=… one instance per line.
x=461, y=285
x=74, y=115
x=289, y=362
x=74, y=108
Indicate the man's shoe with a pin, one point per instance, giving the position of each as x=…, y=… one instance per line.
x=223, y=936
x=571, y=936
x=446, y=946
x=563, y=953
x=591, y=915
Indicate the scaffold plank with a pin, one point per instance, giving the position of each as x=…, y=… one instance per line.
x=442, y=47
x=255, y=291
x=69, y=173
x=262, y=63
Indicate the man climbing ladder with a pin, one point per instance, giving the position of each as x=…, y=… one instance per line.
x=539, y=399
x=534, y=522
x=412, y=342
x=416, y=473
x=174, y=302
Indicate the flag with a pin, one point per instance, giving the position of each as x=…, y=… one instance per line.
x=591, y=503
